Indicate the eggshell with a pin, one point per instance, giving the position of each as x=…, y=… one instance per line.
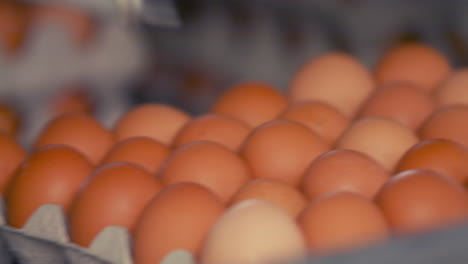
x=79, y=131
x=10, y=122
x=415, y=63
x=15, y=19
x=179, y=217
x=11, y=156
x=143, y=151
x=440, y=155
x=342, y=220
x=453, y=89
x=335, y=78
x=321, y=117
x=221, y=129
x=402, y=102
x=157, y=121
x=72, y=100
x=50, y=175
x=282, y=150
x=210, y=164
x=380, y=138
x=421, y=200
x=115, y=195
x=252, y=102
x=344, y=170
x=282, y=195
x=448, y=123
x=253, y=232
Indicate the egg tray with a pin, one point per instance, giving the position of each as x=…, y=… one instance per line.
x=44, y=240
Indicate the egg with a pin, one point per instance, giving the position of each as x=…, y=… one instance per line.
x=447, y=123
x=144, y=151
x=440, y=155
x=157, y=121
x=453, y=89
x=50, y=175
x=282, y=150
x=414, y=201
x=282, y=195
x=344, y=170
x=14, y=22
x=179, y=217
x=253, y=232
x=252, y=102
x=341, y=221
x=208, y=163
x=79, y=131
x=416, y=63
x=324, y=119
x=114, y=195
x=335, y=78
x=402, y=102
x=222, y=129
x=380, y=138
x=71, y=101
x=10, y=121
x=11, y=156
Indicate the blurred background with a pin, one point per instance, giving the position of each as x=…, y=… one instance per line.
x=108, y=55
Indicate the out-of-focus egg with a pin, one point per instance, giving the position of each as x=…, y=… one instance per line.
x=421, y=200
x=222, y=129
x=114, y=195
x=380, y=138
x=253, y=232
x=157, y=121
x=11, y=156
x=208, y=163
x=252, y=102
x=9, y=120
x=143, y=151
x=282, y=195
x=282, y=150
x=321, y=117
x=80, y=24
x=79, y=131
x=415, y=63
x=448, y=123
x=335, y=78
x=51, y=175
x=72, y=101
x=454, y=89
x=440, y=155
x=14, y=21
x=344, y=170
x=179, y=217
x=342, y=220
x=402, y=102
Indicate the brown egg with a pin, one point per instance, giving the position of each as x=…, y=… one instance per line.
x=415, y=63
x=420, y=200
x=115, y=195
x=221, y=129
x=440, y=155
x=50, y=175
x=79, y=131
x=342, y=220
x=11, y=156
x=448, y=123
x=252, y=102
x=453, y=90
x=9, y=120
x=335, y=78
x=143, y=151
x=321, y=117
x=282, y=195
x=72, y=101
x=210, y=164
x=344, y=170
x=15, y=19
x=380, y=138
x=77, y=21
x=282, y=150
x=402, y=102
x=179, y=217
x=157, y=121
